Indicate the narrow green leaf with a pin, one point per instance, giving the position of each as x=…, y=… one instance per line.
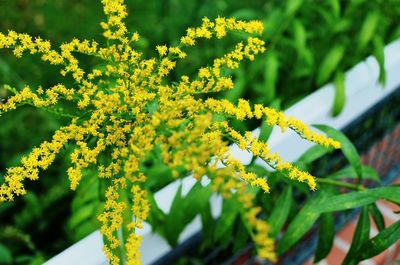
x=367, y=30
x=84, y=229
x=313, y=153
x=259, y=170
x=348, y=149
x=300, y=224
x=271, y=73
x=380, y=242
x=88, y=191
x=330, y=63
x=379, y=53
x=184, y=210
x=357, y=199
x=322, y=203
x=340, y=93
x=292, y=7
x=241, y=237
x=325, y=237
x=208, y=225
x=361, y=235
x=280, y=212
x=349, y=173
x=335, y=5
x=82, y=214
x=5, y=255
x=195, y=201
x=370, y=173
x=156, y=217
x=377, y=216
x=239, y=86
x=158, y=175
x=230, y=210
x=389, y=193
x=174, y=220
x=343, y=25
x=299, y=34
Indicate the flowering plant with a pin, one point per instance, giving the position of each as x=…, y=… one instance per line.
x=125, y=107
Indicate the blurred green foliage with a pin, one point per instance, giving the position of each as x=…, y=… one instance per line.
x=310, y=43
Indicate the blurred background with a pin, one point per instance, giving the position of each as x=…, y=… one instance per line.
x=310, y=43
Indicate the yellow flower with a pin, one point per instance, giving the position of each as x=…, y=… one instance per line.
x=162, y=50
x=129, y=108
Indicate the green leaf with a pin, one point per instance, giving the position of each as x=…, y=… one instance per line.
x=325, y=237
x=349, y=173
x=156, y=217
x=292, y=7
x=208, y=225
x=357, y=199
x=184, y=210
x=342, y=26
x=370, y=173
x=280, y=212
x=241, y=236
x=271, y=75
x=313, y=153
x=300, y=35
x=335, y=5
x=158, y=175
x=87, y=192
x=367, y=30
x=340, y=93
x=361, y=235
x=82, y=214
x=83, y=230
x=195, y=201
x=265, y=129
x=174, y=220
x=239, y=86
x=380, y=242
x=330, y=63
x=379, y=53
x=5, y=255
x=230, y=210
x=348, y=149
x=300, y=224
x=259, y=170
x=322, y=203
x=377, y=216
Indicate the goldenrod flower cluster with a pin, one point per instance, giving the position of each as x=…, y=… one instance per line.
x=127, y=107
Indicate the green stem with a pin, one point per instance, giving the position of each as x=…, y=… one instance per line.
x=127, y=218
x=339, y=184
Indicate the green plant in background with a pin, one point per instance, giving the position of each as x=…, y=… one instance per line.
x=323, y=40
x=309, y=44
x=21, y=223
x=102, y=84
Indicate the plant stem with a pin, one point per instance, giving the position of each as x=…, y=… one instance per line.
x=339, y=184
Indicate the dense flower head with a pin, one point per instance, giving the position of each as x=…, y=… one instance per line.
x=127, y=107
